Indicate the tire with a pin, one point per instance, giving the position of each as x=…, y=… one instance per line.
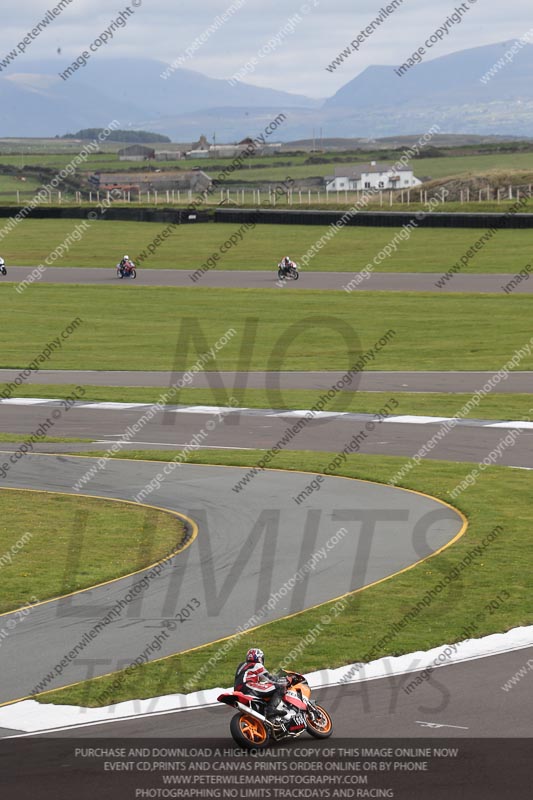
x=133, y=274
x=280, y=274
x=322, y=728
x=120, y=274
x=295, y=274
x=248, y=732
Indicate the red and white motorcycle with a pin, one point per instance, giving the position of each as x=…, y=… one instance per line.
x=126, y=270
x=251, y=728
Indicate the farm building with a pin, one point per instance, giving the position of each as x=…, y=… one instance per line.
x=371, y=176
x=136, y=152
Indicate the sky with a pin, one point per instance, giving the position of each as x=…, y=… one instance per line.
x=292, y=41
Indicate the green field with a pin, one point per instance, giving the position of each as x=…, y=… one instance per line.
x=501, y=497
x=142, y=328
x=60, y=543
x=189, y=246
x=275, y=168
x=493, y=406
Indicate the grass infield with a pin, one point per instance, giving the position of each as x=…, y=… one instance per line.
x=53, y=544
x=168, y=328
x=189, y=246
x=498, y=504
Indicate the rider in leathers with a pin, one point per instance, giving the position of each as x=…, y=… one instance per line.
x=252, y=677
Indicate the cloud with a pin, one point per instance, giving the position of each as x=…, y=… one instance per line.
x=164, y=29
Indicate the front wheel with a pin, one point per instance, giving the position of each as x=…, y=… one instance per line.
x=3, y=270
x=280, y=274
x=319, y=723
x=133, y=273
x=295, y=274
x=120, y=274
x=248, y=731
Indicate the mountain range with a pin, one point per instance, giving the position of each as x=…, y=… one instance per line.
x=448, y=91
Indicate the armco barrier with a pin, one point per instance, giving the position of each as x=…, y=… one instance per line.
x=114, y=213
x=373, y=219
x=380, y=219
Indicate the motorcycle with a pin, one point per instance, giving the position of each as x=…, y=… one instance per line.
x=3, y=269
x=288, y=273
x=251, y=728
x=127, y=270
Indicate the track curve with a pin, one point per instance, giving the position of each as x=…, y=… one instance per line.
x=246, y=549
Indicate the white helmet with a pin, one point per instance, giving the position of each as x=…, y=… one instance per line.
x=2, y=262
x=126, y=258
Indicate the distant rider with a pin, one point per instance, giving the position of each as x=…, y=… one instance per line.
x=126, y=264
x=252, y=677
x=285, y=264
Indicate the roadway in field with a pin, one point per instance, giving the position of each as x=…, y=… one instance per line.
x=257, y=279
x=366, y=381
x=246, y=548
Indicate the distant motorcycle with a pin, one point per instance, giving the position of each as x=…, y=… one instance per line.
x=251, y=728
x=288, y=273
x=126, y=270
x=3, y=269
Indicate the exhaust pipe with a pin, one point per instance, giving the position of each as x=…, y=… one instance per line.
x=252, y=713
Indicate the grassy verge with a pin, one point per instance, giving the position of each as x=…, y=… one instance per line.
x=501, y=497
x=21, y=437
x=144, y=330
x=427, y=250
x=59, y=543
x=493, y=406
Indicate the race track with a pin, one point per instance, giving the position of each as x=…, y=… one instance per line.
x=253, y=541
x=245, y=549
x=257, y=279
x=367, y=381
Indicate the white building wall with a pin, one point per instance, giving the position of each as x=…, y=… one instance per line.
x=373, y=180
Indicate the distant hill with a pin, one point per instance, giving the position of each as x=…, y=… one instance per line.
x=447, y=91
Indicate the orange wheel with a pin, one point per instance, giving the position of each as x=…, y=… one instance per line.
x=320, y=725
x=248, y=731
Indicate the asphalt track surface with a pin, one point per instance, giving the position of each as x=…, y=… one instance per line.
x=459, y=700
x=261, y=430
x=256, y=279
x=448, y=704
x=368, y=381
x=245, y=549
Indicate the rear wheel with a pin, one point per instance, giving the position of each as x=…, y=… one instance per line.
x=319, y=724
x=248, y=731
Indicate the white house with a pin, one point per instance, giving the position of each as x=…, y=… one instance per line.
x=371, y=176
